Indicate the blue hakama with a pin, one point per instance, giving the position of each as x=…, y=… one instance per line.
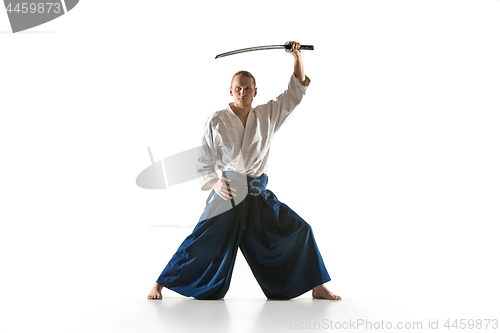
x=276, y=242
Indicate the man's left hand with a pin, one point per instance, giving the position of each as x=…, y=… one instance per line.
x=295, y=49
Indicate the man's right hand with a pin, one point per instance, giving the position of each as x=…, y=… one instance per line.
x=223, y=189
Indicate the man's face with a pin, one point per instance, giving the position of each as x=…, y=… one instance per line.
x=243, y=91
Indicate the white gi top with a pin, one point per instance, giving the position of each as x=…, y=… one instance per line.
x=230, y=146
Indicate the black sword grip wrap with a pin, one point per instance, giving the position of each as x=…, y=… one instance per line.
x=288, y=47
x=306, y=47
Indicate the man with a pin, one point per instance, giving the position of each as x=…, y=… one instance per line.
x=241, y=213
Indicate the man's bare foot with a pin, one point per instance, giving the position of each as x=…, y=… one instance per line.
x=320, y=292
x=155, y=292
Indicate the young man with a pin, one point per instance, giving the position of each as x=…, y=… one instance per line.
x=241, y=213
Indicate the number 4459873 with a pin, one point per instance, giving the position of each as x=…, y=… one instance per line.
x=30, y=7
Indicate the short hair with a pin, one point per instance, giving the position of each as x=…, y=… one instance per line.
x=246, y=74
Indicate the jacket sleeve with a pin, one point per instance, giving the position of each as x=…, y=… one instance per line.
x=281, y=108
x=207, y=158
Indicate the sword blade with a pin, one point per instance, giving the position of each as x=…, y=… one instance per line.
x=248, y=49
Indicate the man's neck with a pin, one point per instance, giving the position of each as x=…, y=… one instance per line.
x=240, y=111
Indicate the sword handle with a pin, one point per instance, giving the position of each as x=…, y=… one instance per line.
x=227, y=186
x=288, y=47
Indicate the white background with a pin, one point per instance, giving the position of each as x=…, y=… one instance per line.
x=392, y=157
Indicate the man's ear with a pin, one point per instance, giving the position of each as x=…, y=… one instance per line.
x=231, y=91
x=255, y=94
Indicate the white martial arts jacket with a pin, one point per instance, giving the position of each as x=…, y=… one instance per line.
x=229, y=146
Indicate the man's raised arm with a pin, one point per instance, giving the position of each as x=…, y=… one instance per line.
x=298, y=66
